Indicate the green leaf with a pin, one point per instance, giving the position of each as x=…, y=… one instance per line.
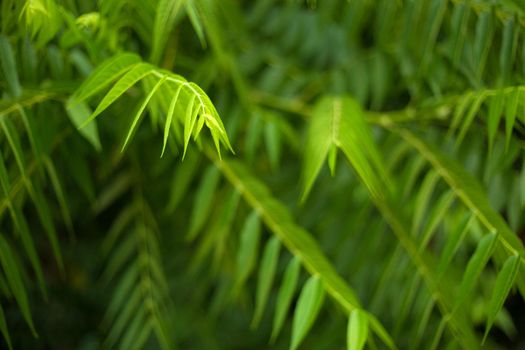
x=306, y=311
x=277, y=218
x=495, y=111
x=248, y=248
x=189, y=122
x=61, y=197
x=165, y=15
x=468, y=189
x=8, y=64
x=203, y=201
x=511, y=109
x=78, y=113
x=475, y=266
x=196, y=21
x=286, y=293
x=267, y=269
x=469, y=118
x=14, y=142
x=340, y=122
x=105, y=74
x=423, y=198
x=272, y=138
x=138, y=72
x=12, y=273
x=504, y=283
x=508, y=49
x=482, y=41
x=357, y=331
x=454, y=240
x=4, y=330
x=169, y=117
x=141, y=110
x=182, y=178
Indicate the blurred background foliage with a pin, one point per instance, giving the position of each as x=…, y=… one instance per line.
x=418, y=221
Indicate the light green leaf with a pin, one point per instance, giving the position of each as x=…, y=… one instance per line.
x=189, y=122
x=196, y=21
x=286, y=293
x=475, y=266
x=306, y=311
x=267, y=269
x=138, y=72
x=105, y=74
x=203, y=201
x=141, y=110
x=248, y=248
x=339, y=122
x=169, y=117
x=78, y=113
x=357, y=331
x=504, y=283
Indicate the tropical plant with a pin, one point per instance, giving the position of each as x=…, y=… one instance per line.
x=163, y=178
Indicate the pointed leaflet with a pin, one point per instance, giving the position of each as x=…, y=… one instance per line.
x=189, y=122
x=78, y=113
x=508, y=49
x=482, y=41
x=8, y=65
x=474, y=108
x=503, y=285
x=203, y=200
x=454, y=239
x=266, y=277
x=196, y=21
x=4, y=330
x=169, y=117
x=422, y=199
x=248, y=248
x=272, y=140
x=307, y=309
x=141, y=110
x=511, y=109
x=165, y=15
x=300, y=242
x=21, y=226
x=211, y=117
x=339, y=122
x=105, y=74
x=286, y=293
x=138, y=72
x=59, y=192
x=14, y=279
x=357, y=331
x=475, y=266
x=468, y=189
x=495, y=111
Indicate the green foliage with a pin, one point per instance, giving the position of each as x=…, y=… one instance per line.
x=413, y=232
